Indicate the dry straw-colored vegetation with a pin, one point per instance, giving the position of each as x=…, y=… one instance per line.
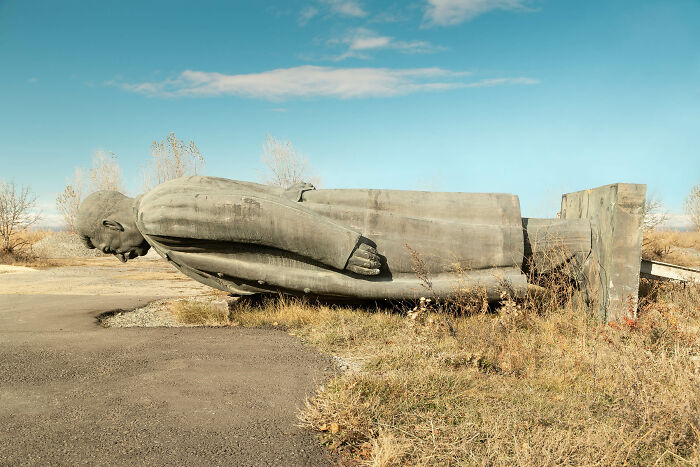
x=25, y=256
x=692, y=206
x=535, y=381
x=171, y=158
x=17, y=214
x=105, y=173
x=284, y=164
x=682, y=248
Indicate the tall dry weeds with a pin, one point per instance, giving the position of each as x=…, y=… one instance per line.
x=171, y=158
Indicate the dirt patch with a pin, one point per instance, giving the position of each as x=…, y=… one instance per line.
x=104, y=276
x=8, y=269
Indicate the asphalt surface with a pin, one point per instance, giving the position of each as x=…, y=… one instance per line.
x=72, y=392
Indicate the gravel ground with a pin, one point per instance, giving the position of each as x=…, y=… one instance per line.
x=153, y=315
x=63, y=245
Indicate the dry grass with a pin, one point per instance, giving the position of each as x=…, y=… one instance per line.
x=33, y=236
x=527, y=384
x=25, y=256
x=199, y=313
x=681, y=248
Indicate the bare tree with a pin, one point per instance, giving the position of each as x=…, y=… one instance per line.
x=284, y=166
x=692, y=206
x=653, y=213
x=170, y=159
x=105, y=173
x=68, y=202
x=16, y=214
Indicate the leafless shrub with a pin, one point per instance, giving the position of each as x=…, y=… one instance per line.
x=284, y=166
x=105, y=173
x=672, y=247
x=68, y=201
x=653, y=214
x=422, y=272
x=16, y=214
x=171, y=158
x=692, y=206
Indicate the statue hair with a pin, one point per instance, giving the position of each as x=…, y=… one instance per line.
x=93, y=209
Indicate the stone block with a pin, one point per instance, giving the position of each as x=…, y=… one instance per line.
x=616, y=215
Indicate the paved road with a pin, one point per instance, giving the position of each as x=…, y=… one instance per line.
x=72, y=392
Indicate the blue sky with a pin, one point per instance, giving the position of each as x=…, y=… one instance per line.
x=536, y=98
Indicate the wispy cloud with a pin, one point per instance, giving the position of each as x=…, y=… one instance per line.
x=677, y=222
x=347, y=8
x=33, y=79
x=362, y=40
x=313, y=81
x=307, y=14
x=449, y=12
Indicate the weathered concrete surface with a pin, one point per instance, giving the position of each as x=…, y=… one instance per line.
x=658, y=270
x=73, y=393
x=616, y=216
x=244, y=238
x=551, y=244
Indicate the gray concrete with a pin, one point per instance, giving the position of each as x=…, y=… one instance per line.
x=616, y=215
x=669, y=272
x=72, y=392
x=243, y=237
x=246, y=238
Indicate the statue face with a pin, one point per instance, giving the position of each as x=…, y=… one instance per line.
x=123, y=241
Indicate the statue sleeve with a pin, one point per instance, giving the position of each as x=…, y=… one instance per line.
x=244, y=216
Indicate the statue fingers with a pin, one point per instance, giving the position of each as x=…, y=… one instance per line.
x=362, y=271
x=367, y=254
x=369, y=263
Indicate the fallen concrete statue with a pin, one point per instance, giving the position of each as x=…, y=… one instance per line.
x=249, y=238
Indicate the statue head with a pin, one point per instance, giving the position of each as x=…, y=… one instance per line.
x=106, y=221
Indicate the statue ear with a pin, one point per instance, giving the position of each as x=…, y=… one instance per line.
x=112, y=225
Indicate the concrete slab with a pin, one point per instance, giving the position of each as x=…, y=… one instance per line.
x=616, y=216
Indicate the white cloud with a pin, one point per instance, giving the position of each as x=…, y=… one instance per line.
x=490, y=82
x=677, y=222
x=49, y=218
x=361, y=40
x=307, y=14
x=364, y=43
x=449, y=12
x=346, y=8
x=313, y=81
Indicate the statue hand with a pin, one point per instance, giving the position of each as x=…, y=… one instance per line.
x=364, y=260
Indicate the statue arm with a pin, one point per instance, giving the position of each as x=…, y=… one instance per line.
x=253, y=217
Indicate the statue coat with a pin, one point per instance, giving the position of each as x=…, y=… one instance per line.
x=245, y=238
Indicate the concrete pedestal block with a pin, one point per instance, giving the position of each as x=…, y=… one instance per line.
x=612, y=269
